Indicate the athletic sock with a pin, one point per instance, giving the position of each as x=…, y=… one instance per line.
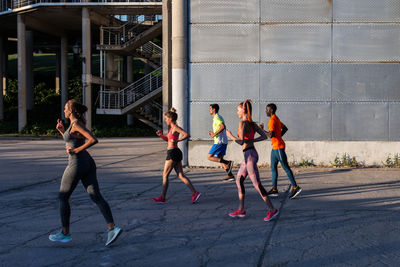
x=224, y=161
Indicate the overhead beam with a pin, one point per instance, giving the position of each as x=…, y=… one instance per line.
x=107, y=82
x=40, y=26
x=104, y=20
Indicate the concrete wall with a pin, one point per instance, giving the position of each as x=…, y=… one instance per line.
x=370, y=153
x=331, y=66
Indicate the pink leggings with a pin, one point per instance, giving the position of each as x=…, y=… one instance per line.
x=249, y=167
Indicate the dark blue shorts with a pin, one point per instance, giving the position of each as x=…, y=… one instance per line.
x=218, y=150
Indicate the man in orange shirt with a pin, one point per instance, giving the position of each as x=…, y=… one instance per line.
x=276, y=129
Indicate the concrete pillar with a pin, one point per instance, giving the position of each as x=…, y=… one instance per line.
x=111, y=72
x=86, y=65
x=29, y=70
x=22, y=75
x=64, y=73
x=58, y=71
x=179, y=68
x=166, y=59
x=2, y=69
x=129, y=79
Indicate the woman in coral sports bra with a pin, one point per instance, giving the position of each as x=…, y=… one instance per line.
x=174, y=156
x=248, y=167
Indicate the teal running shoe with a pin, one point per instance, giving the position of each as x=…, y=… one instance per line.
x=113, y=234
x=60, y=237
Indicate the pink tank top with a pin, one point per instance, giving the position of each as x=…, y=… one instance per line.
x=250, y=135
x=172, y=137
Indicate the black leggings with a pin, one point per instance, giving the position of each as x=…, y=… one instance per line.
x=81, y=167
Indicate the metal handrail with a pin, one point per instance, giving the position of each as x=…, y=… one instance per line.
x=149, y=50
x=122, y=98
x=8, y=5
x=155, y=110
x=119, y=35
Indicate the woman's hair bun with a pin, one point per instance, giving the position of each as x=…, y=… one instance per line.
x=172, y=109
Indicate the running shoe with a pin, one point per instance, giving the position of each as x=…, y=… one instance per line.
x=294, y=192
x=238, y=213
x=229, y=178
x=60, y=237
x=195, y=197
x=273, y=192
x=271, y=215
x=159, y=199
x=113, y=235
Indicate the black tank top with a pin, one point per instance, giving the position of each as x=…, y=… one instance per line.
x=71, y=140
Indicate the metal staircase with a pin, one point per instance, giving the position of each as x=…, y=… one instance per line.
x=118, y=102
x=138, y=98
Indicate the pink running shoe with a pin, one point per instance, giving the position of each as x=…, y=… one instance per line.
x=159, y=199
x=271, y=215
x=195, y=197
x=238, y=213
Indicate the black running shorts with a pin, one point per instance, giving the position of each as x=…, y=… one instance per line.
x=175, y=154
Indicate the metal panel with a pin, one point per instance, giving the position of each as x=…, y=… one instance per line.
x=218, y=11
x=366, y=82
x=394, y=122
x=305, y=121
x=311, y=42
x=224, y=43
x=360, y=121
x=366, y=11
x=296, y=11
x=201, y=121
x=366, y=42
x=295, y=82
x=224, y=82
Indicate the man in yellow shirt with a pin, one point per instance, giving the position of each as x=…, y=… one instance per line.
x=218, y=150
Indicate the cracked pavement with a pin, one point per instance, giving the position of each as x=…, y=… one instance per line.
x=343, y=216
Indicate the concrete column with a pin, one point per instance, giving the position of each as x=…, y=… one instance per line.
x=111, y=72
x=2, y=69
x=166, y=59
x=22, y=75
x=179, y=68
x=129, y=79
x=86, y=65
x=29, y=70
x=58, y=71
x=5, y=66
x=64, y=73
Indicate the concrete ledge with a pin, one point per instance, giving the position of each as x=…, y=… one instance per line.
x=369, y=153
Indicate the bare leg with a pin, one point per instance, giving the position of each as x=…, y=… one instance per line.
x=217, y=160
x=169, y=164
x=181, y=175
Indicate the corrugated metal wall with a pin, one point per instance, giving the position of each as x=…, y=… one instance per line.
x=331, y=66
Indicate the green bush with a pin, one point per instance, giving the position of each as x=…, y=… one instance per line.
x=392, y=162
x=345, y=161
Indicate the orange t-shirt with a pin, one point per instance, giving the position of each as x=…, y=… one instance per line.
x=274, y=124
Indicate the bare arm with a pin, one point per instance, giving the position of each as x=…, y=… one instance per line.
x=262, y=133
x=60, y=127
x=160, y=134
x=91, y=139
x=220, y=129
x=184, y=134
x=240, y=139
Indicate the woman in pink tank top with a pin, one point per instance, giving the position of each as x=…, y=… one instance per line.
x=174, y=157
x=248, y=167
